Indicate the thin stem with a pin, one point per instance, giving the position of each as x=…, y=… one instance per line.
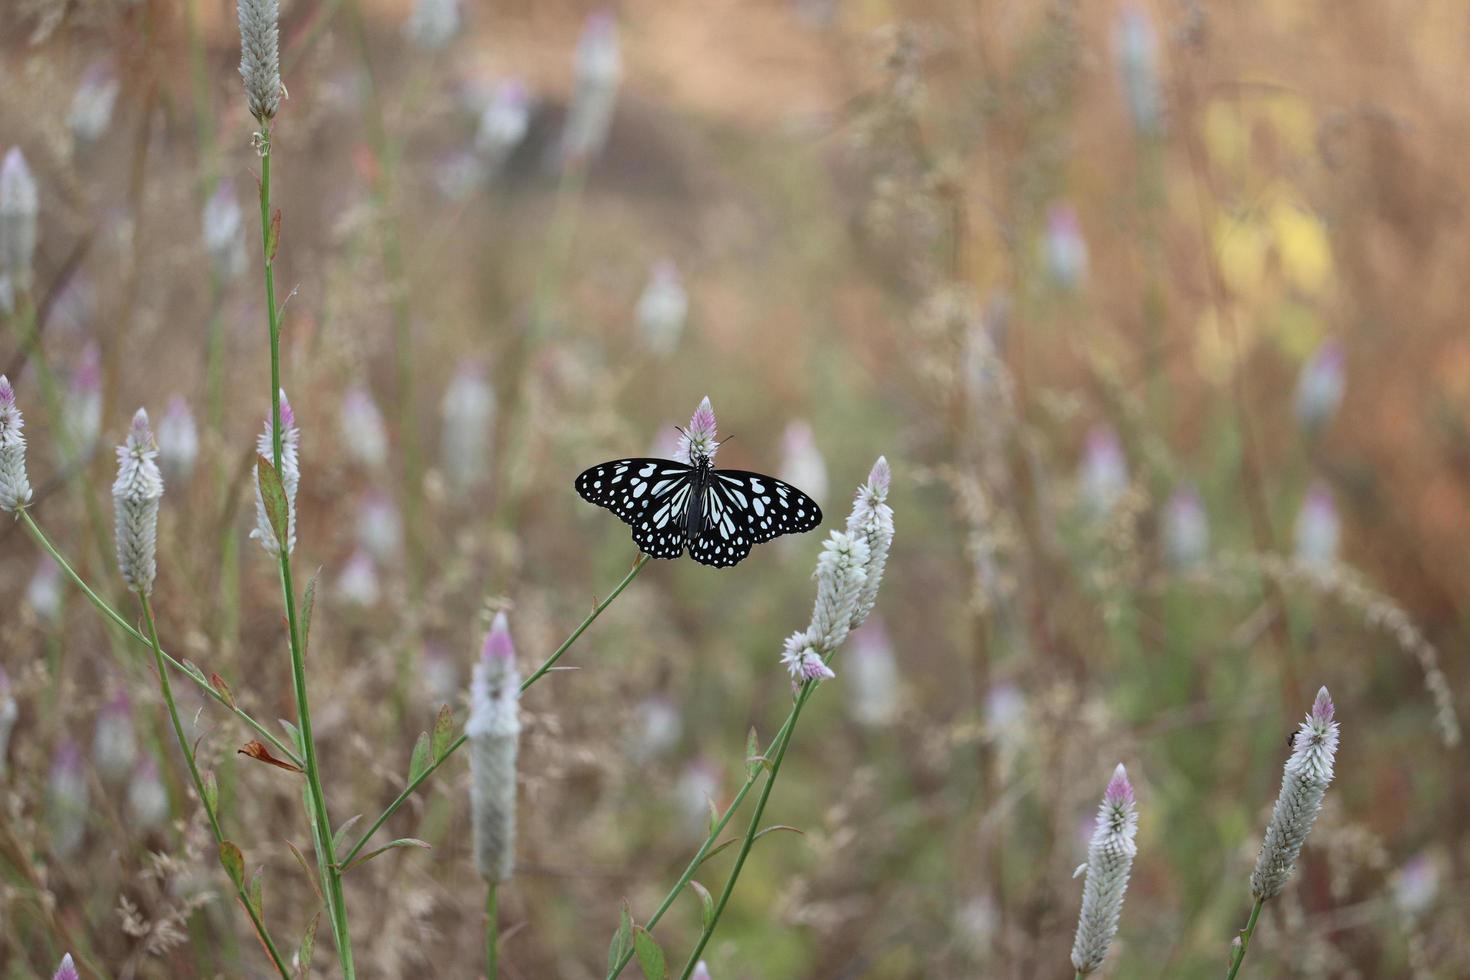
x=414, y=784
x=492, y=929
x=209, y=808
x=1245, y=939
x=322, y=825
x=116, y=618
x=750, y=833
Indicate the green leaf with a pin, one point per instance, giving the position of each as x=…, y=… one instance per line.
x=293, y=733
x=400, y=842
x=752, y=754
x=650, y=956
x=222, y=689
x=192, y=669
x=418, y=763
x=273, y=237
x=717, y=849
x=340, y=837
x=307, y=870
x=706, y=904
x=233, y=861
x=622, y=940
x=775, y=827
x=308, y=603
x=254, y=894
x=714, y=814
x=211, y=790
x=307, y=947
x=443, y=731
x=273, y=495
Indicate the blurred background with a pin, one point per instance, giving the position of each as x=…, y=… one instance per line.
x=1155, y=309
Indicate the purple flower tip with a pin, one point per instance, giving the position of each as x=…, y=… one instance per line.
x=68, y=756
x=178, y=406
x=601, y=22
x=1120, y=790
x=140, y=433
x=7, y=393
x=1319, y=498
x=1322, y=709
x=67, y=970
x=498, y=645
x=4, y=680
x=15, y=164
x=118, y=704
x=288, y=416
x=880, y=475
x=1061, y=219
x=147, y=769
x=702, y=423
x=88, y=375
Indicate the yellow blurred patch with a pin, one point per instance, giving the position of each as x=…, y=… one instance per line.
x=1297, y=329
x=1221, y=344
x=1225, y=136
x=1301, y=243
x=1293, y=122
x=1242, y=245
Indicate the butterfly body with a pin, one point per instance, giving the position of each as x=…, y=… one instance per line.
x=718, y=515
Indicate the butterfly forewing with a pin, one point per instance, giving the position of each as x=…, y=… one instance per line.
x=744, y=509
x=649, y=495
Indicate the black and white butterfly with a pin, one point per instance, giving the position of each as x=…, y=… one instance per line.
x=718, y=514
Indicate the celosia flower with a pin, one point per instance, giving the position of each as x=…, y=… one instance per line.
x=20, y=207
x=494, y=730
x=68, y=800
x=662, y=308
x=114, y=743
x=1102, y=478
x=135, y=496
x=290, y=479
x=469, y=414
x=701, y=972
x=67, y=970
x=379, y=528
x=872, y=676
x=1416, y=885
x=15, y=487
x=1320, y=386
x=597, y=71
x=871, y=521
x=178, y=441
x=1304, y=782
x=503, y=125
x=358, y=582
x=91, y=106
x=802, y=464
x=260, y=57
x=433, y=23
x=1109, y=862
x=1317, y=532
x=82, y=413
x=1186, y=529
x=803, y=660
x=699, y=438
x=9, y=712
x=658, y=727
x=43, y=592
x=364, y=435
x=842, y=570
x=1065, y=250
x=1136, y=46
x=147, y=798
x=223, y=230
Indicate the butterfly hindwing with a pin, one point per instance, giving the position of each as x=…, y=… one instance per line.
x=649, y=495
x=743, y=509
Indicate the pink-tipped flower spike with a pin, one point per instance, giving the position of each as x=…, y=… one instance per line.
x=1416, y=884
x=440, y=674
x=842, y=570
x=494, y=730
x=872, y=676
x=1065, y=249
x=597, y=72
x=67, y=970
x=364, y=435
x=871, y=521
x=1109, y=863
x=178, y=441
x=1186, y=529
x=803, y=660
x=15, y=487
x=20, y=209
x=43, y=592
x=802, y=463
x=357, y=585
x=290, y=479
x=1318, y=532
x=147, y=798
x=1136, y=46
x=68, y=800
x=1102, y=478
x=1304, y=782
x=91, y=106
x=503, y=125
x=433, y=24
x=701, y=972
x=135, y=496
x=9, y=712
x=223, y=229
x=699, y=438
x=82, y=413
x=469, y=419
x=662, y=308
x=658, y=727
x=379, y=528
x=1320, y=387
x=114, y=742
x=260, y=56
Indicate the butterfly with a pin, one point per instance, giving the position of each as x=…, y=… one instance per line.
x=718, y=514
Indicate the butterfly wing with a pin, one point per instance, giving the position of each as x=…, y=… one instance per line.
x=649, y=495
x=743, y=509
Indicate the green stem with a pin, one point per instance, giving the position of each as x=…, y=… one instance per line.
x=116, y=618
x=750, y=832
x=1245, y=940
x=414, y=784
x=492, y=929
x=209, y=808
x=322, y=825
